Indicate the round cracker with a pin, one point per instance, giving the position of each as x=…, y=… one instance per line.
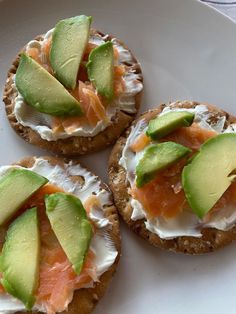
x=85, y=299
x=74, y=145
x=211, y=239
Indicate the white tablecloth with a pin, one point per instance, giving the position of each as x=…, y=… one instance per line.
x=225, y=6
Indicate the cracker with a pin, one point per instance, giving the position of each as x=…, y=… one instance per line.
x=85, y=299
x=74, y=145
x=211, y=239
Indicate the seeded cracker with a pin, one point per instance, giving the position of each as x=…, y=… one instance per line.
x=211, y=239
x=75, y=145
x=85, y=300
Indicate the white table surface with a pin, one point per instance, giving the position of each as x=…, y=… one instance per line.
x=225, y=6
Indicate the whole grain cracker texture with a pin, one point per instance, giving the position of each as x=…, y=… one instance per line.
x=85, y=299
x=211, y=239
x=74, y=145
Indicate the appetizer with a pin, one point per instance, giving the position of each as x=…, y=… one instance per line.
x=73, y=90
x=60, y=240
x=173, y=177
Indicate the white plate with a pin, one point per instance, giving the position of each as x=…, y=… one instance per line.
x=187, y=51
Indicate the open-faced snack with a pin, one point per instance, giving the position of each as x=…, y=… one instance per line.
x=173, y=177
x=73, y=90
x=60, y=242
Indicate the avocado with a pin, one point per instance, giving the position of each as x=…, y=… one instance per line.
x=210, y=173
x=101, y=69
x=42, y=91
x=15, y=188
x=69, y=40
x=168, y=122
x=156, y=158
x=19, y=260
x=69, y=222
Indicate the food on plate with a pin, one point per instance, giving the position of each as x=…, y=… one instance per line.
x=25, y=182
x=51, y=98
x=156, y=158
x=216, y=160
x=66, y=53
x=69, y=222
x=163, y=125
x=21, y=249
x=100, y=69
x=73, y=90
x=61, y=244
x=173, y=177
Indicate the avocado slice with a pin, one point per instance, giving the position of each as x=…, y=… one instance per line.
x=15, y=188
x=101, y=69
x=19, y=261
x=69, y=40
x=42, y=91
x=167, y=123
x=69, y=222
x=156, y=158
x=210, y=173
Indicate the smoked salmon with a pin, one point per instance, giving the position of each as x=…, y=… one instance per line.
x=94, y=106
x=164, y=195
x=57, y=279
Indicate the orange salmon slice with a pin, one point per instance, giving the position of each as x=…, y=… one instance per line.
x=164, y=195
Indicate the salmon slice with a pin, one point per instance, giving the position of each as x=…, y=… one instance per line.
x=116, y=53
x=140, y=143
x=119, y=70
x=192, y=137
x=57, y=126
x=57, y=279
x=164, y=195
x=159, y=198
x=92, y=107
x=34, y=54
x=83, y=74
x=119, y=83
x=88, y=49
x=95, y=105
x=92, y=201
x=47, y=47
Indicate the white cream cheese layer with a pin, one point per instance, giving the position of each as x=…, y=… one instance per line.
x=28, y=116
x=102, y=244
x=186, y=223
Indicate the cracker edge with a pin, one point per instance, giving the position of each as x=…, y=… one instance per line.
x=85, y=299
x=211, y=239
x=75, y=145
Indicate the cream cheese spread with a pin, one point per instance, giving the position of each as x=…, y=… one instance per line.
x=102, y=244
x=186, y=223
x=28, y=116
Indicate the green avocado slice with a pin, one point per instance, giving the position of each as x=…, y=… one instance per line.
x=156, y=158
x=69, y=40
x=42, y=91
x=101, y=69
x=210, y=173
x=69, y=222
x=15, y=188
x=19, y=261
x=167, y=123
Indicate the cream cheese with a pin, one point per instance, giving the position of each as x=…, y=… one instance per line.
x=28, y=116
x=102, y=244
x=187, y=223
x=10, y=305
